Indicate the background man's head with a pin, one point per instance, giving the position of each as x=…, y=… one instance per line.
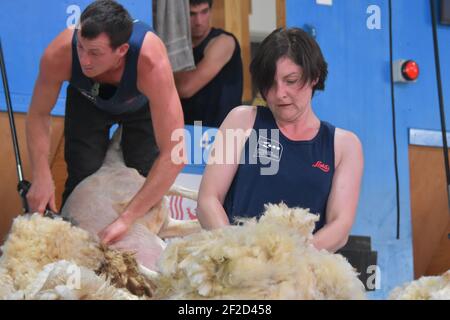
x=200, y=17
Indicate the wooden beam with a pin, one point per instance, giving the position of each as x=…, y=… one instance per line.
x=218, y=14
x=281, y=13
x=233, y=16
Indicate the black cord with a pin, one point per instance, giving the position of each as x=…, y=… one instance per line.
x=441, y=98
x=394, y=126
x=23, y=186
x=10, y=113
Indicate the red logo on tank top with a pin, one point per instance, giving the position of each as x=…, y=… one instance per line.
x=322, y=166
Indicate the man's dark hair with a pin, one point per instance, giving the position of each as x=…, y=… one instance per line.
x=109, y=17
x=295, y=44
x=198, y=2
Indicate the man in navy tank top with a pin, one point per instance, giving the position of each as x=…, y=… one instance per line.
x=284, y=152
x=215, y=86
x=118, y=72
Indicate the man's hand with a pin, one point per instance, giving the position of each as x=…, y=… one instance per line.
x=41, y=194
x=115, y=231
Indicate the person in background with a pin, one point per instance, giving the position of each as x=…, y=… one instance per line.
x=215, y=86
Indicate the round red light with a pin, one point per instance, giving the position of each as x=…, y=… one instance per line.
x=410, y=70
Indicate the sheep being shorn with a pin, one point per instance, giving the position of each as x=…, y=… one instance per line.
x=425, y=288
x=100, y=198
x=270, y=259
x=35, y=242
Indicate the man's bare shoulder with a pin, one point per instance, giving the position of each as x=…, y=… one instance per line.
x=153, y=64
x=57, y=57
x=224, y=41
x=153, y=51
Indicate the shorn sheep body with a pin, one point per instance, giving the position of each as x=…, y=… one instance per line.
x=100, y=199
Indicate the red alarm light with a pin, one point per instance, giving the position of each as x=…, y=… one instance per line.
x=410, y=70
x=405, y=71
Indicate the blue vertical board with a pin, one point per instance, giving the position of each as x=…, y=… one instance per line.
x=417, y=105
x=354, y=37
x=444, y=52
x=27, y=27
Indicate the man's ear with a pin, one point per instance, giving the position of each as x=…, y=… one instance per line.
x=315, y=82
x=123, y=49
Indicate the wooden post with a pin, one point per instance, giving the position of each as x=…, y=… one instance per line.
x=218, y=14
x=233, y=16
x=281, y=13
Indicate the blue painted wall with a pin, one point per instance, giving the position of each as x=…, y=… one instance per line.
x=358, y=98
x=27, y=27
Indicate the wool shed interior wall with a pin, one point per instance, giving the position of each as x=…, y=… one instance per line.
x=429, y=210
x=10, y=203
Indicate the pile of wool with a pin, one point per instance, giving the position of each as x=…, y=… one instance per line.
x=40, y=254
x=6, y=284
x=123, y=271
x=425, y=288
x=270, y=259
x=64, y=280
x=35, y=241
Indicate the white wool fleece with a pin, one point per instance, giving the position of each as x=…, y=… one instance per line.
x=35, y=241
x=270, y=259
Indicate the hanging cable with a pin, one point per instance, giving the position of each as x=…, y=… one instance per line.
x=441, y=98
x=394, y=126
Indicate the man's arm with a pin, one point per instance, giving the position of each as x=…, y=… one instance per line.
x=218, y=177
x=55, y=68
x=155, y=80
x=217, y=54
x=343, y=198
